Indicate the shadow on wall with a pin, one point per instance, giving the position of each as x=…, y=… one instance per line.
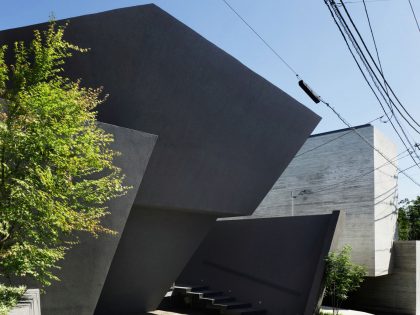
x=276, y=263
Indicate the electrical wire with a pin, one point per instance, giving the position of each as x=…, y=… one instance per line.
x=334, y=139
x=375, y=64
x=261, y=38
x=377, y=52
x=368, y=143
x=352, y=2
x=410, y=167
x=414, y=15
x=297, y=75
x=351, y=38
x=354, y=178
x=371, y=72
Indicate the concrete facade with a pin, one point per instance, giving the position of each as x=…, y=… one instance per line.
x=85, y=268
x=398, y=292
x=338, y=170
x=225, y=136
x=284, y=276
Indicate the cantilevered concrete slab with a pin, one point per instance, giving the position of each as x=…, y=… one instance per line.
x=225, y=136
x=276, y=263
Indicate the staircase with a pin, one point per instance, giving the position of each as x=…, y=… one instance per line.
x=211, y=301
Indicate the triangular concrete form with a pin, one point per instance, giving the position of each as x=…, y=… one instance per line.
x=225, y=136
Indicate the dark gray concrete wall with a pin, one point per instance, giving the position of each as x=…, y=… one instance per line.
x=154, y=247
x=275, y=263
x=398, y=292
x=225, y=133
x=85, y=267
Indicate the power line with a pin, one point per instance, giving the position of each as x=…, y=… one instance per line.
x=368, y=65
x=354, y=178
x=340, y=18
x=325, y=143
x=414, y=15
x=334, y=139
x=410, y=167
x=297, y=75
x=367, y=142
x=376, y=49
x=371, y=72
x=261, y=38
x=352, y=2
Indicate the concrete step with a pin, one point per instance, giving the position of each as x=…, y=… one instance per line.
x=206, y=293
x=184, y=289
x=245, y=311
x=231, y=305
x=220, y=299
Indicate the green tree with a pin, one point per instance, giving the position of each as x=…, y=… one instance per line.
x=56, y=165
x=341, y=276
x=409, y=219
x=9, y=297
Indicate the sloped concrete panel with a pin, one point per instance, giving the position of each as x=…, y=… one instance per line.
x=153, y=250
x=225, y=133
x=85, y=267
x=275, y=263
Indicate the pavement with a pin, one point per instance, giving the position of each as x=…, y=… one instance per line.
x=328, y=310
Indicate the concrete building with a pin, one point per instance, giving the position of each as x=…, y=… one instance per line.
x=224, y=136
x=265, y=265
x=339, y=171
x=398, y=292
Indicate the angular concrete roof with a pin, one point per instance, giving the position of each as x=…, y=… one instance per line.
x=225, y=133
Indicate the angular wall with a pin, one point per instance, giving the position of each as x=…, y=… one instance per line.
x=398, y=292
x=338, y=170
x=277, y=264
x=85, y=267
x=225, y=136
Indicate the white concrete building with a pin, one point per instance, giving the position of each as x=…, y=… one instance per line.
x=339, y=171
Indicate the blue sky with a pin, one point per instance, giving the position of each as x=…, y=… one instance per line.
x=304, y=35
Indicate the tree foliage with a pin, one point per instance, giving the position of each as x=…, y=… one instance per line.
x=409, y=219
x=9, y=297
x=56, y=165
x=342, y=276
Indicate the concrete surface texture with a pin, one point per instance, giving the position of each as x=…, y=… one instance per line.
x=277, y=264
x=225, y=133
x=29, y=304
x=338, y=170
x=225, y=136
x=398, y=292
x=85, y=268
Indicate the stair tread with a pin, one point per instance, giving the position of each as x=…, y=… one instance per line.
x=233, y=304
x=219, y=298
x=206, y=292
x=246, y=310
x=189, y=288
